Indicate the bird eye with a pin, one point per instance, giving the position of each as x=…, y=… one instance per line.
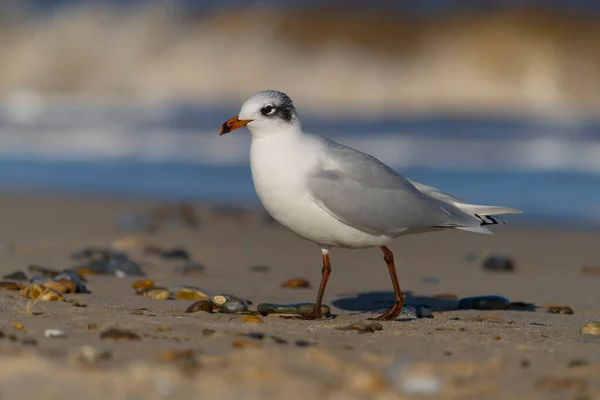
x=267, y=110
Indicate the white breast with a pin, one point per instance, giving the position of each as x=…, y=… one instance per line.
x=280, y=165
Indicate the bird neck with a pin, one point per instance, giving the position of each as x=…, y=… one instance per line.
x=280, y=131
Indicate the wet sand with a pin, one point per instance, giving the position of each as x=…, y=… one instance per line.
x=456, y=354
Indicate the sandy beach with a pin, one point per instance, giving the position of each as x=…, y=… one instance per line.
x=456, y=354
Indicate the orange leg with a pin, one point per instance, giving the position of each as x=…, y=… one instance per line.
x=325, y=272
x=395, y=311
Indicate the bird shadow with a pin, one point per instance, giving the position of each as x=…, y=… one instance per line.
x=376, y=301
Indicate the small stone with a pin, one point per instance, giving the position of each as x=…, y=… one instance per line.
x=484, y=303
x=521, y=306
x=128, y=243
x=419, y=311
x=190, y=269
x=590, y=270
x=16, y=276
x=56, y=286
x=296, y=283
x=560, y=310
x=303, y=343
x=55, y=333
x=189, y=293
x=246, y=344
x=525, y=364
x=93, y=326
x=49, y=273
x=499, y=264
x=202, y=305
x=29, y=341
x=278, y=340
x=561, y=384
x=18, y=326
x=260, y=268
x=11, y=286
x=119, y=334
x=50, y=295
x=253, y=318
x=362, y=327
x=254, y=335
x=206, y=332
x=89, y=355
x=228, y=303
x=578, y=363
x=144, y=283
x=68, y=284
x=446, y=296
x=158, y=293
x=168, y=254
x=177, y=355
x=290, y=309
x=73, y=276
x=591, y=328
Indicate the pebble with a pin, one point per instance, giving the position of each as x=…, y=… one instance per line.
x=56, y=286
x=522, y=306
x=168, y=254
x=101, y=261
x=89, y=355
x=118, y=334
x=190, y=269
x=585, y=270
x=303, y=343
x=54, y=333
x=11, y=286
x=560, y=310
x=228, y=303
x=29, y=341
x=446, y=296
x=177, y=355
x=49, y=273
x=73, y=276
x=591, y=328
x=182, y=292
x=484, y=303
x=578, y=363
x=295, y=283
x=498, y=264
x=292, y=309
x=202, y=305
x=246, y=344
x=253, y=319
x=158, y=293
x=260, y=268
x=419, y=311
x=362, y=327
x=18, y=326
x=144, y=283
x=16, y=276
x=128, y=243
x=561, y=384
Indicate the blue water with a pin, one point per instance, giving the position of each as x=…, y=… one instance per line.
x=557, y=197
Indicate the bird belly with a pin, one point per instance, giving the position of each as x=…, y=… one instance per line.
x=280, y=187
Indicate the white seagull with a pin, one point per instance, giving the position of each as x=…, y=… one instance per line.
x=336, y=196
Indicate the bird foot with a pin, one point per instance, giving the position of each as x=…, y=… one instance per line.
x=390, y=314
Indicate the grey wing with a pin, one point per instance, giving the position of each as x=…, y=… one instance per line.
x=361, y=191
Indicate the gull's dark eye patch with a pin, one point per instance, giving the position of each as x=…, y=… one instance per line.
x=267, y=110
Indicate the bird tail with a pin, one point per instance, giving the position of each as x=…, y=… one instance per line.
x=487, y=215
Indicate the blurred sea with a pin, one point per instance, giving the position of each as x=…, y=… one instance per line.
x=173, y=152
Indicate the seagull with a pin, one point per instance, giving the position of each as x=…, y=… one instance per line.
x=336, y=196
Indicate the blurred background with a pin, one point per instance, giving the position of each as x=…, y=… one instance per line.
x=494, y=101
